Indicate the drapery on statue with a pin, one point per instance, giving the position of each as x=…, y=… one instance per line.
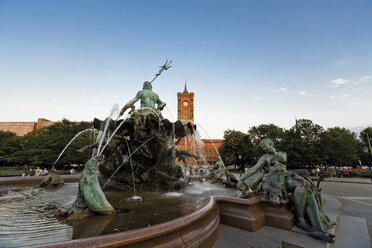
x=270, y=178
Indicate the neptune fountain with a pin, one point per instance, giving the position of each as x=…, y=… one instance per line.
x=139, y=153
x=117, y=203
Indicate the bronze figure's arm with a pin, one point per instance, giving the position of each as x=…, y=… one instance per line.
x=129, y=104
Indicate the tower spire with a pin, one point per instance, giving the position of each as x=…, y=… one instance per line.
x=185, y=90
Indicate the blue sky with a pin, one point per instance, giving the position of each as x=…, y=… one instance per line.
x=248, y=62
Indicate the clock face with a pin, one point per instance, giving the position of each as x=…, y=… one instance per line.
x=185, y=103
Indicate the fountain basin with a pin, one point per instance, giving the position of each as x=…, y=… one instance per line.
x=198, y=228
x=34, y=180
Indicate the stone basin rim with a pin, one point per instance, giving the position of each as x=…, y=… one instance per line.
x=130, y=237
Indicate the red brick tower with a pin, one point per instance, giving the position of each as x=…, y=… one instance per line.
x=185, y=106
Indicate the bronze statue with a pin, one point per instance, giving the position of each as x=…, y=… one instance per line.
x=219, y=172
x=148, y=99
x=147, y=96
x=270, y=178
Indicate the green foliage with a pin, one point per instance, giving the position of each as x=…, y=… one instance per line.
x=258, y=133
x=302, y=144
x=340, y=146
x=236, y=143
x=306, y=144
x=42, y=146
x=363, y=135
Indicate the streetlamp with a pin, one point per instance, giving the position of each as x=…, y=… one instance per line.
x=240, y=162
x=365, y=150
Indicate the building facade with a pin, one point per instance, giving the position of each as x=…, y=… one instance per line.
x=23, y=128
x=205, y=149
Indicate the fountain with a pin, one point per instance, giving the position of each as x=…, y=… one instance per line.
x=132, y=193
x=131, y=181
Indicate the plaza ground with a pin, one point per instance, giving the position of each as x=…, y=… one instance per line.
x=347, y=201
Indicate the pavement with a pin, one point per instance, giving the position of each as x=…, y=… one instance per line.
x=350, y=231
x=363, y=180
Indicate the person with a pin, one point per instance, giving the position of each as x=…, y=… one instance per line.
x=38, y=171
x=73, y=171
x=148, y=99
x=270, y=177
x=23, y=174
x=45, y=172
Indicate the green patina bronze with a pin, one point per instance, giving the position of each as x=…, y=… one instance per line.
x=90, y=189
x=140, y=155
x=147, y=96
x=53, y=180
x=148, y=99
x=219, y=172
x=270, y=179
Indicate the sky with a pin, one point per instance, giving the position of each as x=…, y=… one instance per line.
x=248, y=62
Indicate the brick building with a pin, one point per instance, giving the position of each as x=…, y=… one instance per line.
x=208, y=147
x=23, y=128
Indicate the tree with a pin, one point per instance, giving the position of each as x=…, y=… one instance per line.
x=258, y=133
x=363, y=135
x=340, y=146
x=308, y=131
x=297, y=150
x=302, y=144
x=9, y=143
x=236, y=143
x=42, y=146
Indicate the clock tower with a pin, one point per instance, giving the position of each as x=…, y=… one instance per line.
x=185, y=106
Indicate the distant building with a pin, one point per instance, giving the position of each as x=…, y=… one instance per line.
x=185, y=113
x=23, y=128
x=210, y=147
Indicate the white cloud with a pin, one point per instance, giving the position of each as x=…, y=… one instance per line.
x=305, y=93
x=362, y=80
x=365, y=78
x=280, y=90
x=341, y=62
x=337, y=82
x=340, y=97
x=257, y=98
x=353, y=104
x=97, y=100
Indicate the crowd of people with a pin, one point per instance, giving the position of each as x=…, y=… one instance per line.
x=333, y=171
x=40, y=172
x=36, y=172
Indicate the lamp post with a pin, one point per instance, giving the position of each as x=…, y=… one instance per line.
x=365, y=150
x=240, y=162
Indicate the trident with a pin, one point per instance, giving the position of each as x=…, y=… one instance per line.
x=166, y=66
